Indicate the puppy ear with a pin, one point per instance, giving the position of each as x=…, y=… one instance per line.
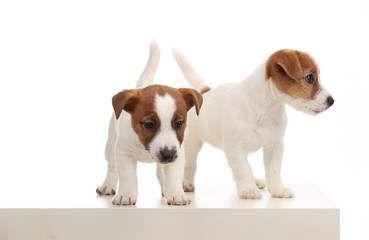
x=192, y=98
x=125, y=100
x=288, y=61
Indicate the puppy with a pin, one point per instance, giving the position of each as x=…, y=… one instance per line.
x=148, y=125
x=240, y=118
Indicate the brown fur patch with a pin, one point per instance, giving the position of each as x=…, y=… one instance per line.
x=207, y=89
x=140, y=104
x=192, y=98
x=178, y=116
x=288, y=69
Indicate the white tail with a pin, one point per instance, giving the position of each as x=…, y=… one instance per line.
x=147, y=76
x=190, y=74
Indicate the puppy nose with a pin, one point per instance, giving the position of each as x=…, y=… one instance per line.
x=330, y=101
x=167, y=156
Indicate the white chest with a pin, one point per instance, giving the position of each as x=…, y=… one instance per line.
x=269, y=125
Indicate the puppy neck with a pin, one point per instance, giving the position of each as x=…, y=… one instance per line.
x=259, y=89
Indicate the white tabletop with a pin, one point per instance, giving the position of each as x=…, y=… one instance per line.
x=207, y=195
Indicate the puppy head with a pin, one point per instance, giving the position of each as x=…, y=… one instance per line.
x=159, y=115
x=296, y=75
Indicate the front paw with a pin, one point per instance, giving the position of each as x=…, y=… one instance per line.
x=250, y=193
x=175, y=198
x=126, y=198
x=281, y=192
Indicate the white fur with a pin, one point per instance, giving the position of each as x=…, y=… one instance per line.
x=124, y=150
x=314, y=106
x=241, y=118
x=147, y=76
x=165, y=107
x=191, y=75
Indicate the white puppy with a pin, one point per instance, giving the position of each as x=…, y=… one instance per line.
x=243, y=117
x=148, y=126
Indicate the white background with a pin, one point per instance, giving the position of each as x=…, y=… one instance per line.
x=61, y=62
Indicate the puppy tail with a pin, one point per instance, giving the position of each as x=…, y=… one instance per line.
x=147, y=76
x=190, y=74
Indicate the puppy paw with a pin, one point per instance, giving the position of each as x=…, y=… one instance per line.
x=282, y=192
x=261, y=183
x=125, y=199
x=188, y=187
x=105, y=190
x=250, y=193
x=177, y=199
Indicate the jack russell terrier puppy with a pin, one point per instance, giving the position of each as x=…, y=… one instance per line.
x=240, y=118
x=148, y=125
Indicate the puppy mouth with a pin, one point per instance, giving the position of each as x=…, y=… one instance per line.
x=313, y=111
x=167, y=161
x=164, y=156
x=317, y=111
x=314, y=108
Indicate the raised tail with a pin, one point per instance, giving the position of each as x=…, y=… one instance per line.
x=147, y=76
x=190, y=74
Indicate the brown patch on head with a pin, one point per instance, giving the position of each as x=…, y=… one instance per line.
x=191, y=98
x=290, y=71
x=140, y=104
x=185, y=99
x=145, y=121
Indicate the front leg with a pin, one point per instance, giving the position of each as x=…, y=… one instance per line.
x=127, y=174
x=173, y=175
x=273, y=153
x=161, y=177
x=242, y=173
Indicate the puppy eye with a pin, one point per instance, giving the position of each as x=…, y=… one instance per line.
x=179, y=124
x=309, y=78
x=149, y=125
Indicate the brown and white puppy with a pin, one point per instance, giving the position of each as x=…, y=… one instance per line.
x=240, y=118
x=148, y=125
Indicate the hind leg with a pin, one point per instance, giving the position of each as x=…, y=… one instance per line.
x=192, y=149
x=109, y=185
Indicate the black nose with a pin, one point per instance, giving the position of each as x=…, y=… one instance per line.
x=330, y=101
x=167, y=156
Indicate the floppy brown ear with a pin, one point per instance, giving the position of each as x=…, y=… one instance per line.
x=125, y=100
x=192, y=98
x=289, y=62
